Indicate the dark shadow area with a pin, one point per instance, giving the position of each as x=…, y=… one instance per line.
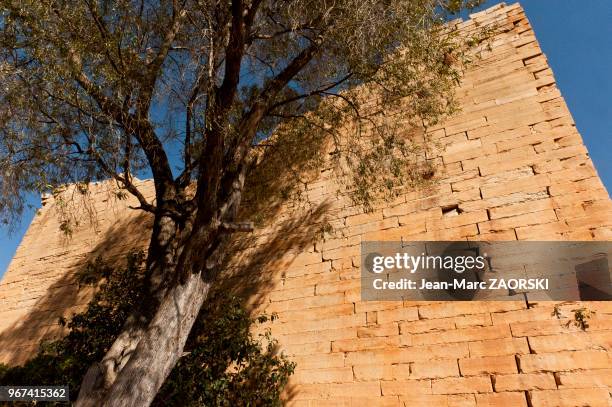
x=253, y=262
x=249, y=278
x=591, y=277
x=252, y=278
x=64, y=297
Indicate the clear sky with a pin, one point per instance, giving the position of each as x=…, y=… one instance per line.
x=576, y=36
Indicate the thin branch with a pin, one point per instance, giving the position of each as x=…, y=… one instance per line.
x=248, y=123
x=141, y=129
x=154, y=67
x=104, y=34
x=231, y=227
x=312, y=93
x=185, y=176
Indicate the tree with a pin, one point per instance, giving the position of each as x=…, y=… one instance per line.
x=224, y=363
x=96, y=89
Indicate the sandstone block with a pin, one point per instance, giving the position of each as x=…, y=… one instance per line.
x=565, y=361
x=488, y=365
x=427, y=325
x=521, y=382
x=357, y=390
x=362, y=218
x=521, y=208
x=501, y=400
x=324, y=361
x=388, y=329
x=567, y=398
x=461, y=400
x=430, y=400
x=563, y=342
x=462, y=335
x=398, y=314
x=459, y=385
x=329, y=375
x=499, y=347
x=599, y=378
x=405, y=387
x=359, y=344
x=434, y=369
x=372, y=372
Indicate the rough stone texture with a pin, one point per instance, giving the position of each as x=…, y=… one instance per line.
x=40, y=284
x=511, y=166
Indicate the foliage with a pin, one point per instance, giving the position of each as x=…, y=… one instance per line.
x=581, y=316
x=224, y=364
x=202, y=95
x=91, y=91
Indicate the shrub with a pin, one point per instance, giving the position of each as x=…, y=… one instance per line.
x=224, y=364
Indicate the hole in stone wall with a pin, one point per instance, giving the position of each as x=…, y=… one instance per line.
x=451, y=210
x=428, y=173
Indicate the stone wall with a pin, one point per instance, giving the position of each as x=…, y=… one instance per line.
x=510, y=166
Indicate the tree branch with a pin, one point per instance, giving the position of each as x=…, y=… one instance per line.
x=184, y=178
x=104, y=35
x=312, y=93
x=249, y=122
x=231, y=227
x=141, y=129
x=154, y=67
x=233, y=58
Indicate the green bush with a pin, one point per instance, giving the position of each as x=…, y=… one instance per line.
x=223, y=365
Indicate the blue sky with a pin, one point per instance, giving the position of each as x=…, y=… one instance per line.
x=577, y=39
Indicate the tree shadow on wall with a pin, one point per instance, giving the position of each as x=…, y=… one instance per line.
x=257, y=265
x=66, y=296
x=252, y=268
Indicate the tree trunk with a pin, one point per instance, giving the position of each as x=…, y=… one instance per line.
x=152, y=352
x=152, y=341
x=100, y=376
x=161, y=266
x=161, y=346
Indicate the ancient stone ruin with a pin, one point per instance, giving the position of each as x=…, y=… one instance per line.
x=510, y=166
